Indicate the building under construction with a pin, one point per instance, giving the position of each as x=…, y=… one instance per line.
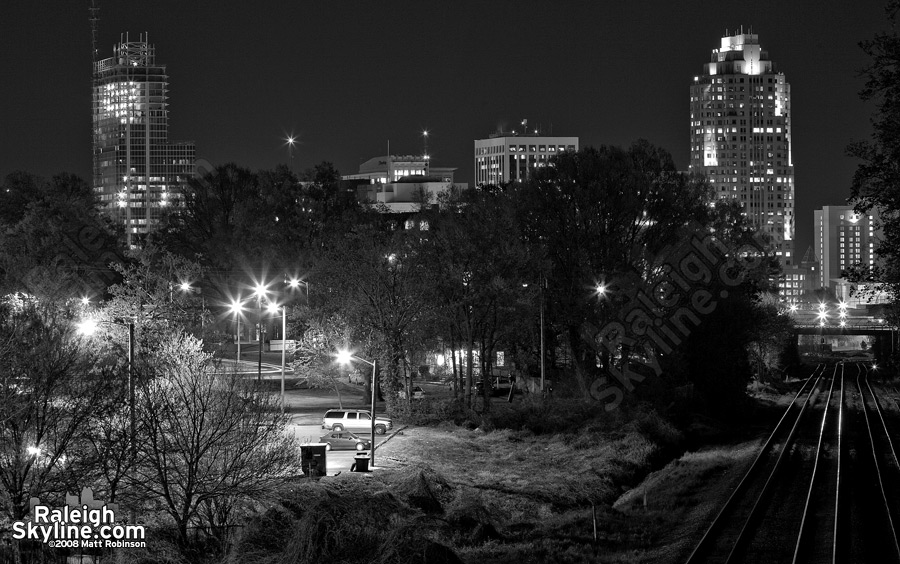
x=138, y=173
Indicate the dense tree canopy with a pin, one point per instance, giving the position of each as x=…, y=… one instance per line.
x=876, y=183
x=53, y=240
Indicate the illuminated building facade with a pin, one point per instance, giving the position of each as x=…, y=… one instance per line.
x=391, y=168
x=400, y=183
x=136, y=170
x=842, y=239
x=509, y=156
x=741, y=136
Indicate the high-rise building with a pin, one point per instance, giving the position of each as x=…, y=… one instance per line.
x=508, y=156
x=741, y=136
x=137, y=171
x=842, y=239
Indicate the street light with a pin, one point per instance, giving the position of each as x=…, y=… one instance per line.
x=237, y=307
x=291, y=141
x=344, y=357
x=273, y=309
x=260, y=293
x=89, y=327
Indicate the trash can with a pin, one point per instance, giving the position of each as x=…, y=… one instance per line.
x=361, y=463
x=312, y=460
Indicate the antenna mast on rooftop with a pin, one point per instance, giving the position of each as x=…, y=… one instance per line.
x=95, y=28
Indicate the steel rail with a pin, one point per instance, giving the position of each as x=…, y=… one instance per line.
x=742, y=485
x=742, y=536
x=812, y=481
x=876, y=458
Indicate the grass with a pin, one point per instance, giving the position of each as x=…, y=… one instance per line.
x=521, y=494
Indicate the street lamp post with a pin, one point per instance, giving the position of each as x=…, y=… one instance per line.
x=543, y=351
x=237, y=308
x=345, y=357
x=88, y=327
x=273, y=308
x=260, y=294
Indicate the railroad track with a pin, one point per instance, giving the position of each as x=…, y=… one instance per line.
x=742, y=530
x=825, y=486
x=819, y=532
x=873, y=490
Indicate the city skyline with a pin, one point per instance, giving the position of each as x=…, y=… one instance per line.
x=349, y=79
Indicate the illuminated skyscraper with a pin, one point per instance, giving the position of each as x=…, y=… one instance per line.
x=741, y=136
x=137, y=171
x=844, y=239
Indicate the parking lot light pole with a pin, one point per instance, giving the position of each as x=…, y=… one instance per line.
x=344, y=357
x=273, y=309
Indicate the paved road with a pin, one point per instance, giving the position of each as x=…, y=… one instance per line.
x=305, y=407
x=335, y=460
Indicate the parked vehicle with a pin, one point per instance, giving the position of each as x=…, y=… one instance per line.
x=417, y=393
x=355, y=420
x=479, y=387
x=344, y=441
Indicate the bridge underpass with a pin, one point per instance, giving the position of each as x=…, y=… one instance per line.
x=880, y=338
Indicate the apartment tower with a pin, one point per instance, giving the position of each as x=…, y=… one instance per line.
x=741, y=136
x=137, y=172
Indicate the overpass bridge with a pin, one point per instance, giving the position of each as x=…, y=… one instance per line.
x=848, y=328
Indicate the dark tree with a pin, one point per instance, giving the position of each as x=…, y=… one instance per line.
x=876, y=183
x=53, y=240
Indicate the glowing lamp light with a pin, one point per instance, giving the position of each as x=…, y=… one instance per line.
x=87, y=327
x=793, y=308
x=33, y=451
x=85, y=301
x=273, y=308
x=185, y=286
x=601, y=289
x=236, y=306
x=843, y=323
x=261, y=290
x=294, y=283
x=344, y=356
x=874, y=367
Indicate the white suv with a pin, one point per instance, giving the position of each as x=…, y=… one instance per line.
x=355, y=420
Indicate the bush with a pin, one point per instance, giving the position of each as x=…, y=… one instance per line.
x=549, y=417
x=349, y=519
x=426, y=411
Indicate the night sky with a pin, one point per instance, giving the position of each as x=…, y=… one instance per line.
x=348, y=77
